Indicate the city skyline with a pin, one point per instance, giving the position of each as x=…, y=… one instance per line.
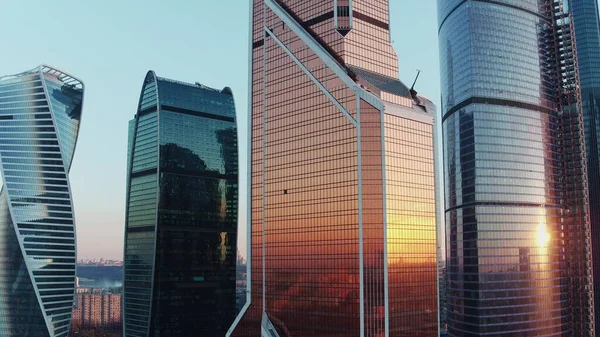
x=110, y=58
x=467, y=204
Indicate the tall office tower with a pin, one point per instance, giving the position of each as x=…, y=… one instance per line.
x=341, y=172
x=517, y=215
x=587, y=33
x=181, y=220
x=40, y=112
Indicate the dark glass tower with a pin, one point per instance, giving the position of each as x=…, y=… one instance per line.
x=516, y=203
x=40, y=112
x=587, y=33
x=181, y=221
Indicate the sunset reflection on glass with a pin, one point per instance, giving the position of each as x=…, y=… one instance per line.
x=543, y=237
x=343, y=216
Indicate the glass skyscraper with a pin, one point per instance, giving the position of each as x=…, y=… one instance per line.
x=342, y=210
x=587, y=33
x=40, y=112
x=517, y=215
x=181, y=220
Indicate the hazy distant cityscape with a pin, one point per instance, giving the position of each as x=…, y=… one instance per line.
x=100, y=262
x=98, y=303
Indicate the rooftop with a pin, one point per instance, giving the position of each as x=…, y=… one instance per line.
x=225, y=90
x=383, y=83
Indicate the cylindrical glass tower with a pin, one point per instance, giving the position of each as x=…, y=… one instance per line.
x=508, y=218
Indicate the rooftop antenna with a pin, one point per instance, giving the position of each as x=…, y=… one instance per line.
x=415, y=82
x=413, y=92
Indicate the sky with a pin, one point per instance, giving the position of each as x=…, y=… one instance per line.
x=111, y=44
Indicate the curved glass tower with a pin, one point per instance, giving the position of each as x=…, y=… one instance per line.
x=40, y=111
x=517, y=222
x=181, y=222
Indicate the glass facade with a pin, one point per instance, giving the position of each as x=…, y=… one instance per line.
x=587, y=33
x=181, y=225
x=40, y=112
x=342, y=223
x=517, y=226
x=411, y=226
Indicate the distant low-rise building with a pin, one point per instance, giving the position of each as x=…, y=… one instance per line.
x=96, y=309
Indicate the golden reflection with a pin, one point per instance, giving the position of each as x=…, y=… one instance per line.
x=411, y=239
x=542, y=236
x=409, y=192
x=543, y=283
